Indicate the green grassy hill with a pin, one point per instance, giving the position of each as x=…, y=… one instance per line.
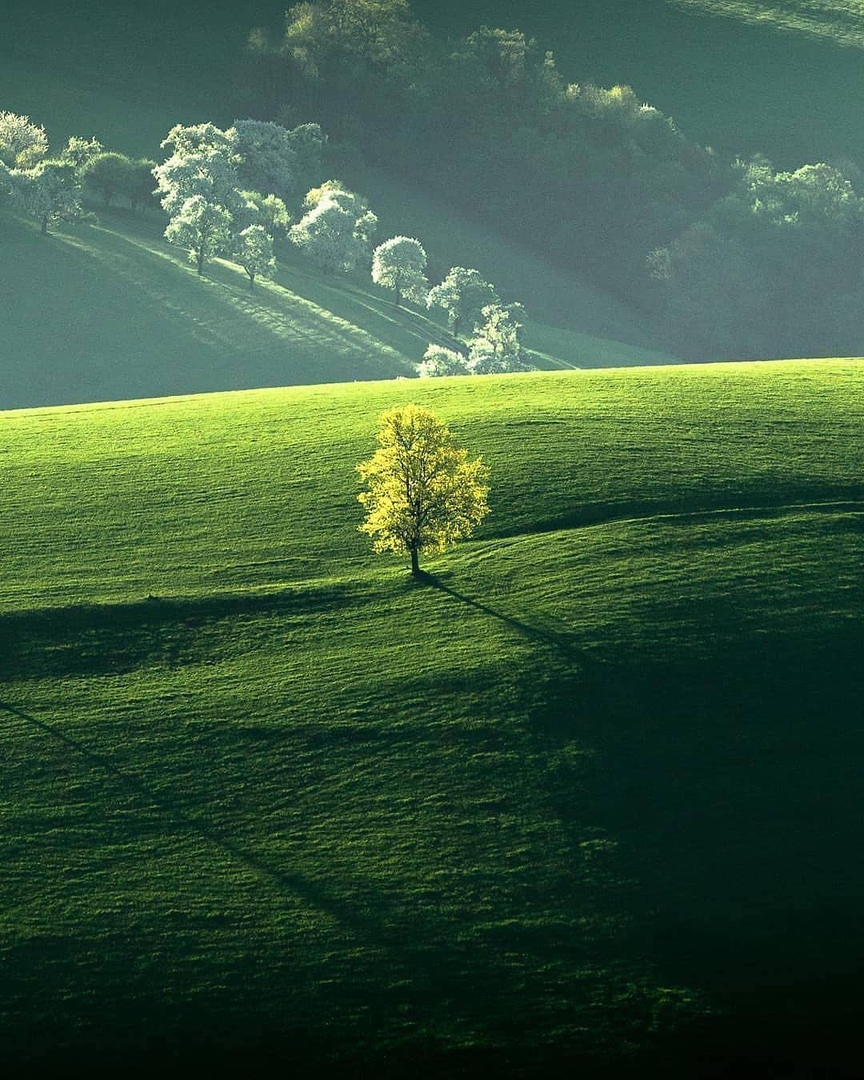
x=264, y=795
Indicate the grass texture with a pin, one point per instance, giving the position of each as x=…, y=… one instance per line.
x=592, y=780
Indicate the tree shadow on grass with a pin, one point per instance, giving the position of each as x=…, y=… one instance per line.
x=108, y=639
x=732, y=782
x=179, y=820
x=562, y=643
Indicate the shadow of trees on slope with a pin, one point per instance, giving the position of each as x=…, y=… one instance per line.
x=106, y=639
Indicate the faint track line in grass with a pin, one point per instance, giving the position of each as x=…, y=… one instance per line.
x=368, y=914
x=305, y=890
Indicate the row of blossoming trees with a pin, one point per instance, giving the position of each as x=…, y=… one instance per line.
x=227, y=194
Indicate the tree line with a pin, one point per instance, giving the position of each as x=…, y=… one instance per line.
x=724, y=257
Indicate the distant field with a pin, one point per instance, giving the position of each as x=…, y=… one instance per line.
x=741, y=76
x=839, y=21
x=262, y=793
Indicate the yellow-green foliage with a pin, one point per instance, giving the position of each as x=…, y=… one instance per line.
x=421, y=489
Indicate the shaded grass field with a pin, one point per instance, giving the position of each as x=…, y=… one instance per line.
x=110, y=311
x=118, y=312
x=263, y=795
x=595, y=325
x=781, y=77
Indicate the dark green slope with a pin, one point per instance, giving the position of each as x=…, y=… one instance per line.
x=783, y=79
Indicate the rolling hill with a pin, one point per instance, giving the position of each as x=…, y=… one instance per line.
x=586, y=802
x=265, y=798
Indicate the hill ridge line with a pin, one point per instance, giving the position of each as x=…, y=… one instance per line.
x=771, y=509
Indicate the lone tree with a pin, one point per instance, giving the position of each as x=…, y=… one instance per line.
x=421, y=490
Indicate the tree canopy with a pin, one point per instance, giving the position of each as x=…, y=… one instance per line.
x=773, y=268
x=462, y=295
x=221, y=189
x=253, y=250
x=203, y=228
x=336, y=229
x=108, y=174
x=422, y=491
x=22, y=143
x=400, y=264
x=439, y=361
x=49, y=192
x=275, y=160
x=496, y=348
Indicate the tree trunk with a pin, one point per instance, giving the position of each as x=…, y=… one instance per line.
x=415, y=562
x=44, y=229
